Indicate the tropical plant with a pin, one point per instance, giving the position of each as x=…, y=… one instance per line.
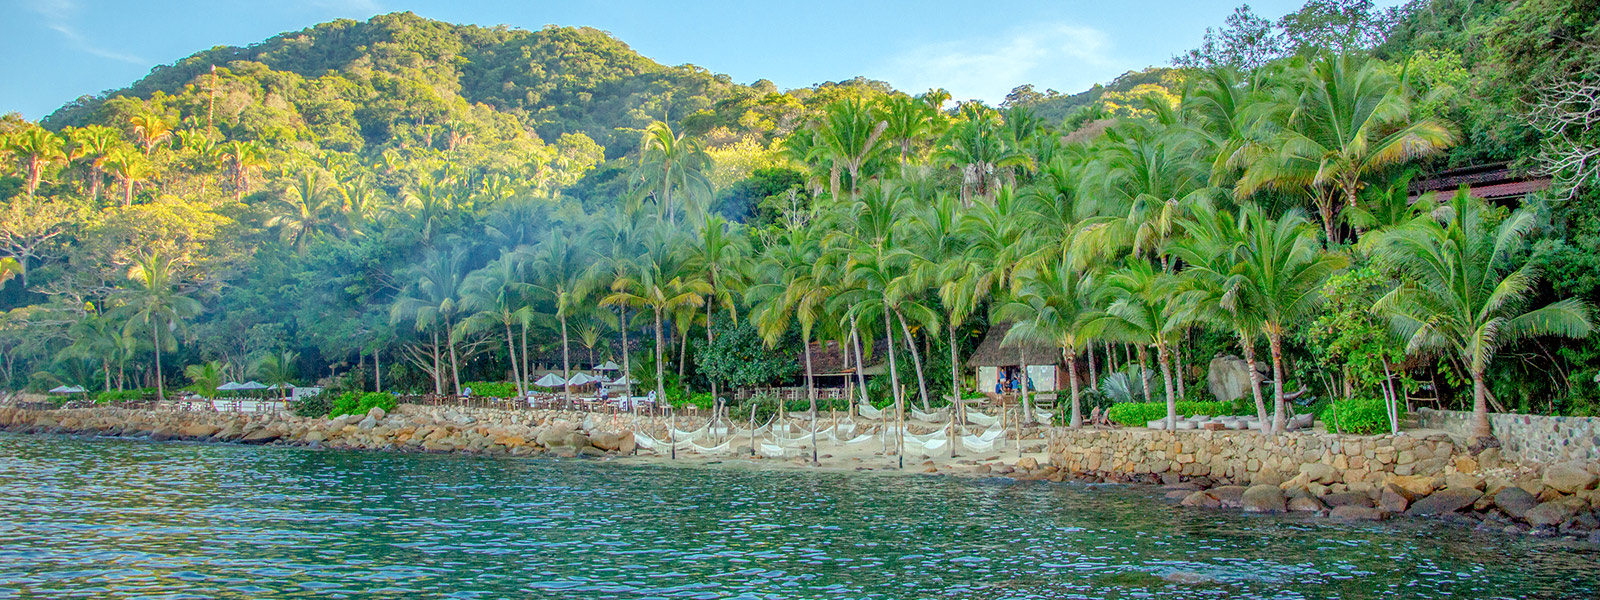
x=156, y=302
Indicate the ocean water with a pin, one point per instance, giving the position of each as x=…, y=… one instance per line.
x=106, y=518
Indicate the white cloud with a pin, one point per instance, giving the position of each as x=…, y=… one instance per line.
x=1049, y=55
x=58, y=16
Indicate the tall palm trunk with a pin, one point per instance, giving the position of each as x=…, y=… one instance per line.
x=96, y=177
x=861, y=377
x=377, y=372
x=527, y=376
x=1479, y=425
x=916, y=361
x=894, y=383
x=1166, y=375
x=1094, y=372
x=438, y=369
x=709, y=342
x=155, y=336
x=1144, y=382
x=566, y=362
x=1177, y=368
x=1276, y=343
x=955, y=382
x=1071, y=354
x=811, y=393
x=1255, y=377
x=627, y=367
x=455, y=362
x=661, y=384
x=106, y=364
x=516, y=371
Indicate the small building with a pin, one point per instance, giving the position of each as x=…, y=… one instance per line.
x=1494, y=182
x=992, y=360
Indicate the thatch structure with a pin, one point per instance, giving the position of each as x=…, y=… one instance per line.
x=990, y=352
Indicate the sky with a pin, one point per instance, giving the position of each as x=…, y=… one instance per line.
x=58, y=50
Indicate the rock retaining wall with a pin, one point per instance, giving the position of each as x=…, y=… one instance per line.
x=1241, y=457
x=1528, y=438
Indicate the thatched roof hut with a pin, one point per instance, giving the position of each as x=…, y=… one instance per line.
x=990, y=353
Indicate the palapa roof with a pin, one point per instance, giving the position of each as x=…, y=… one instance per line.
x=827, y=358
x=990, y=352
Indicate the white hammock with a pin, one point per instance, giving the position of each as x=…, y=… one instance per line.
x=981, y=419
x=867, y=411
x=723, y=448
x=977, y=444
x=771, y=451
x=796, y=442
x=1043, y=416
x=925, y=448
x=860, y=439
x=691, y=435
x=643, y=440
x=938, y=416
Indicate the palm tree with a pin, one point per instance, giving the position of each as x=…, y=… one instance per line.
x=719, y=256
x=1144, y=308
x=97, y=337
x=1211, y=252
x=205, y=377
x=150, y=130
x=558, y=270
x=95, y=143
x=241, y=156
x=977, y=149
x=432, y=302
x=38, y=149
x=131, y=168
x=792, y=291
x=1467, y=290
x=1054, y=306
x=276, y=369
x=155, y=301
x=1342, y=120
x=1280, y=273
x=849, y=136
x=671, y=162
x=496, y=296
x=909, y=120
x=660, y=284
x=309, y=207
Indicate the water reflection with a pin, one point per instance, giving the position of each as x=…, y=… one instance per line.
x=123, y=519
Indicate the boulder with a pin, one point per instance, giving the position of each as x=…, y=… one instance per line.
x=1230, y=496
x=1489, y=459
x=315, y=436
x=1358, y=513
x=1580, y=523
x=1515, y=501
x=377, y=413
x=1306, y=504
x=1028, y=462
x=1412, y=486
x=1444, y=501
x=1463, y=480
x=198, y=431
x=368, y=423
x=162, y=434
x=1319, y=473
x=1201, y=499
x=1339, y=499
x=261, y=436
x=1393, y=499
x=620, y=442
x=1548, y=514
x=1569, y=477
x=1263, y=498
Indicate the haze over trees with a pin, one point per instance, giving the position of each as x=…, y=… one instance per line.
x=419, y=205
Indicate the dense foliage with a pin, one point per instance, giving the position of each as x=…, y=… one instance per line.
x=410, y=205
x=1137, y=414
x=1364, y=416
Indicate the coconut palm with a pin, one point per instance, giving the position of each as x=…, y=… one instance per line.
x=241, y=157
x=849, y=135
x=978, y=150
x=792, y=292
x=1341, y=120
x=1143, y=307
x=94, y=144
x=155, y=301
x=1054, y=306
x=658, y=283
x=558, y=269
x=1280, y=272
x=1467, y=291
x=1211, y=250
x=432, y=302
x=204, y=378
x=131, y=168
x=496, y=296
x=720, y=257
x=909, y=122
x=276, y=369
x=98, y=337
x=150, y=130
x=672, y=163
x=310, y=206
x=38, y=149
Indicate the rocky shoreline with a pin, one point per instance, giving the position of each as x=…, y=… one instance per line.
x=1554, y=501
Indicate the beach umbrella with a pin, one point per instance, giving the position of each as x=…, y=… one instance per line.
x=228, y=387
x=550, y=380
x=625, y=381
x=583, y=379
x=251, y=385
x=608, y=366
x=67, y=389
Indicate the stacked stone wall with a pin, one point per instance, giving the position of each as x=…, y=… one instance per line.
x=1536, y=439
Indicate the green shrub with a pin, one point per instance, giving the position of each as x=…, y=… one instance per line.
x=121, y=395
x=346, y=404
x=700, y=400
x=1137, y=414
x=1364, y=416
x=492, y=389
x=314, y=406
x=383, y=400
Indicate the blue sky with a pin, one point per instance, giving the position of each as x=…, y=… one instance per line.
x=57, y=50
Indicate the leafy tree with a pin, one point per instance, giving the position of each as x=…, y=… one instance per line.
x=157, y=303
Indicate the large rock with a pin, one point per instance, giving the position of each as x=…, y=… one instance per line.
x=1230, y=496
x=1358, y=513
x=1306, y=504
x=1228, y=377
x=368, y=423
x=1569, y=477
x=162, y=434
x=1391, y=498
x=261, y=436
x=1263, y=498
x=377, y=413
x=1201, y=499
x=1444, y=501
x=198, y=431
x=1339, y=499
x=1412, y=486
x=1515, y=501
x=1548, y=513
x=620, y=442
x=1319, y=473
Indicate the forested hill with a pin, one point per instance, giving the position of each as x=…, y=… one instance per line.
x=349, y=85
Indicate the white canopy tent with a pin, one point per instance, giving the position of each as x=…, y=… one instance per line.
x=67, y=389
x=550, y=380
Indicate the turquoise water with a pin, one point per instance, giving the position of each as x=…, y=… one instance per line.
x=98, y=518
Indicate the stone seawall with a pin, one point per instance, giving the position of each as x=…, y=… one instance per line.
x=1528, y=438
x=408, y=428
x=1241, y=457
